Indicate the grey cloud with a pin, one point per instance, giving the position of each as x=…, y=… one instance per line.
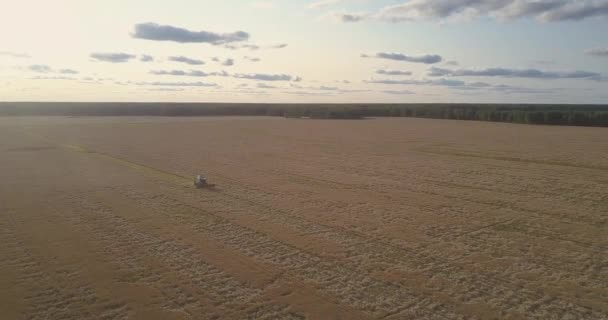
x=265, y=86
x=350, y=17
x=278, y=46
x=68, y=71
x=398, y=92
x=146, y=58
x=254, y=47
x=394, y=72
x=438, y=82
x=266, y=77
x=599, y=52
x=451, y=63
x=112, y=57
x=179, y=73
x=426, y=59
x=253, y=76
x=325, y=88
x=186, y=60
x=577, y=10
x=166, y=89
x=14, y=54
x=515, y=90
x=514, y=73
x=461, y=85
x=251, y=47
x=191, y=73
x=252, y=59
x=41, y=68
x=177, y=84
x=228, y=62
x=519, y=9
x=53, y=78
x=543, y=10
x=156, y=32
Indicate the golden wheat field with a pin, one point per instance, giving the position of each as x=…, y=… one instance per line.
x=310, y=219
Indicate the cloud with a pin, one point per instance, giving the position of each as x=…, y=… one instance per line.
x=462, y=85
x=451, y=63
x=401, y=92
x=576, y=10
x=156, y=32
x=278, y=46
x=254, y=47
x=514, y=73
x=324, y=88
x=226, y=62
x=252, y=59
x=350, y=17
x=43, y=68
x=598, y=52
x=394, y=72
x=542, y=10
x=427, y=59
x=40, y=68
x=52, y=78
x=437, y=82
x=146, y=58
x=14, y=54
x=249, y=46
x=68, y=71
x=112, y=57
x=266, y=77
x=191, y=73
x=177, y=84
x=166, y=89
x=186, y=60
x=265, y=86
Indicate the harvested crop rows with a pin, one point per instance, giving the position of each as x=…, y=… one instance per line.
x=311, y=219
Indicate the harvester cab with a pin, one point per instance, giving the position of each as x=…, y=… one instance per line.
x=201, y=182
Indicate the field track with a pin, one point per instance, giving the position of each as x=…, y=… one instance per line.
x=312, y=219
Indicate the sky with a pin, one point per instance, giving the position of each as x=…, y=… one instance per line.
x=305, y=51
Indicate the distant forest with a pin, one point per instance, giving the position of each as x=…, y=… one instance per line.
x=572, y=115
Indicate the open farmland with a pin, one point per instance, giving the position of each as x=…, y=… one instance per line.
x=397, y=218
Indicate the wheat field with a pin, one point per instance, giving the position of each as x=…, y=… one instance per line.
x=311, y=219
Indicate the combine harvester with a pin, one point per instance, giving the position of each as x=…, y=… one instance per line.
x=200, y=182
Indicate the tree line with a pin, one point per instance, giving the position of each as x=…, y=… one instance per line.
x=573, y=115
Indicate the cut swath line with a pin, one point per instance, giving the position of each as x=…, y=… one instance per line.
x=165, y=175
